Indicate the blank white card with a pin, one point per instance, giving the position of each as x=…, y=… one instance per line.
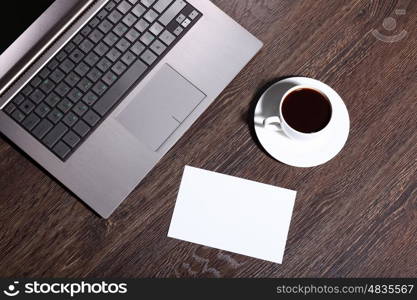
x=232, y=214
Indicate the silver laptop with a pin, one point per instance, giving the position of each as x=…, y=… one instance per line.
x=97, y=91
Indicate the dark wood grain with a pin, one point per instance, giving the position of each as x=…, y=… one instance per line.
x=354, y=216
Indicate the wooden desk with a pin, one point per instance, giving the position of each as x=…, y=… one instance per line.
x=354, y=216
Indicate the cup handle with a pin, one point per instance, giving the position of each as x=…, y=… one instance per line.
x=274, y=120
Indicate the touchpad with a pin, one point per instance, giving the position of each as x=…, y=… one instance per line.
x=162, y=105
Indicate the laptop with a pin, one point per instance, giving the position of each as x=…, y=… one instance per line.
x=97, y=91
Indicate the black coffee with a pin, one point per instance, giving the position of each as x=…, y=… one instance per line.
x=306, y=110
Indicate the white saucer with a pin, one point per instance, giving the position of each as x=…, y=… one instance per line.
x=301, y=153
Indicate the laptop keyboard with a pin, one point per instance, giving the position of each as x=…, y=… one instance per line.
x=81, y=84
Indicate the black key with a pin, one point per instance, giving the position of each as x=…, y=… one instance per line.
x=47, y=86
x=158, y=47
x=80, y=108
x=61, y=150
x=61, y=55
x=77, y=39
x=69, y=47
x=113, y=54
x=90, y=98
x=72, y=79
x=81, y=128
x=94, y=75
x=44, y=73
x=156, y=28
x=110, y=39
x=128, y=58
x=65, y=105
x=86, y=46
x=37, y=96
x=55, y=116
x=62, y=89
x=91, y=59
x=148, y=57
x=71, y=139
x=109, y=6
x=101, y=49
x=119, y=68
x=96, y=36
x=104, y=64
x=129, y=20
x=18, y=115
x=82, y=69
x=52, y=64
x=31, y=121
x=86, y=30
x=105, y=26
x=43, y=127
x=193, y=15
x=141, y=25
x=10, y=108
x=147, y=38
x=27, y=106
x=132, y=35
x=76, y=55
x=36, y=81
x=151, y=16
x=114, y=16
x=74, y=95
x=57, y=76
x=67, y=66
x=137, y=48
x=138, y=10
x=113, y=95
x=109, y=78
x=180, y=19
x=167, y=37
x=52, y=99
x=120, y=29
x=102, y=14
x=27, y=90
x=70, y=119
x=18, y=99
x=85, y=85
x=94, y=22
x=55, y=134
x=99, y=88
x=91, y=118
x=124, y=7
x=123, y=45
x=42, y=110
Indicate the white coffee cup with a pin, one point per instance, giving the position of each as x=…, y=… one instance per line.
x=277, y=122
